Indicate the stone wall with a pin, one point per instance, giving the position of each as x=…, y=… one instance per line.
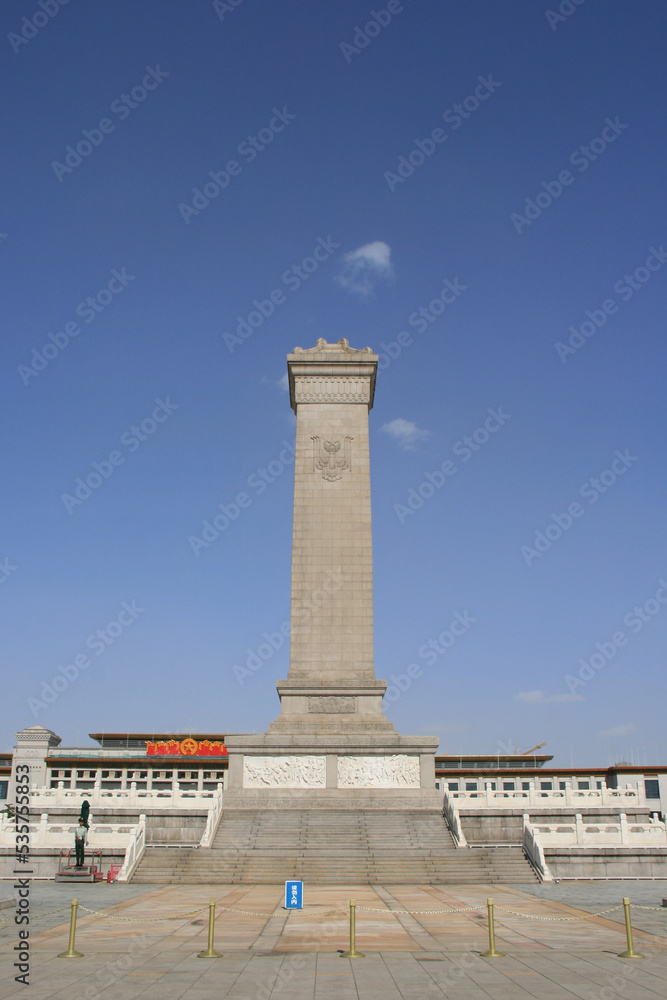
x=497, y=826
x=607, y=862
x=183, y=828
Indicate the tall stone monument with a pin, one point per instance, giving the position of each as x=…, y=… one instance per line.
x=331, y=745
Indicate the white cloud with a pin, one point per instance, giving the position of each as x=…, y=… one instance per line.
x=405, y=433
x=364, y=267
x=283, y=382
x=542, y=698
x=623, y=730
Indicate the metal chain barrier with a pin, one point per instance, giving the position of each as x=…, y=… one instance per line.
x=331, y=911
x=247, y=913
x=112, y=916
x=352, y=952
x=516, y=913
x=560, y=920
x=376, y=909
x=38, y=916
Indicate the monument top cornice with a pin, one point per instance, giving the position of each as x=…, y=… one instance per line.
x=341, y=348
x=338, y=362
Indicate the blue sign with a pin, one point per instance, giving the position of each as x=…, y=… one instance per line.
x=293, y=895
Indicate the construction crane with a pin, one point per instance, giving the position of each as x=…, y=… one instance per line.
x=524, y=753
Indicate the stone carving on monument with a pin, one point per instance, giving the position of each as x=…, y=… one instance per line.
x=318, y=389
x=397, y=771
x=331, y=458
x=322, y=346
x=331, y=705
x=285, y=772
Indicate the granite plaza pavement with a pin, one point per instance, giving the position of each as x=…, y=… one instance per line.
x=554, y=950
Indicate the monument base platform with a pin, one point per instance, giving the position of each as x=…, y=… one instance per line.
x=332, y=771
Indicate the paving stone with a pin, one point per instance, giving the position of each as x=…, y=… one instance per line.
x=436, y=955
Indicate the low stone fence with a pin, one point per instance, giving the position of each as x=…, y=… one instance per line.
x=45, y=799
x=587, y=831
x=621, y=798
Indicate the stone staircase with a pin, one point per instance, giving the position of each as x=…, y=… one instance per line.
x=333, y=847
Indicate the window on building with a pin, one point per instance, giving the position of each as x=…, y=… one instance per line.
x=471, y=786
x=508, y=786
x=4, y=785
x=584, y=786
x=652, y=788
x=546, y=786
x=453, y=786
x=562, y=785
x=525, y=786
x=598, y=784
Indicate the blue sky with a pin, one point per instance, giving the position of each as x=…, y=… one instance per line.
x=501, y=162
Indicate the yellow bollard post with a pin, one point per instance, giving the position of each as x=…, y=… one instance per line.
x=353, y=953
x=71, y=953
x=630, y=953
x=210, y=951
x=491, y=953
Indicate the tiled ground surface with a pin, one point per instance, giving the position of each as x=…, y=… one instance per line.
x=271, y=954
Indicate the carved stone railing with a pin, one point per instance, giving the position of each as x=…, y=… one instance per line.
x=134, y=851
x=212, y=820
x=585, y=798
x=586, y=832
x=451, y=814
x=120, y=797
x=60, y=833
x=534, y=852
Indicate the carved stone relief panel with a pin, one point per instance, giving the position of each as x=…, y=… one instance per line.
x=397, y=771
x=332, y=458
x=284, y=772
x=331, y=705
x=328, y=389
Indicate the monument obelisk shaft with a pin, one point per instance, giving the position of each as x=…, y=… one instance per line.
x=331, y=681
x=332, y=557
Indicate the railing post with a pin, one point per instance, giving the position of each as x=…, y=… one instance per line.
x=352, y=951
x=43, y=823
x=210, y=951
x=625, y=839
x=491, y=953
x=71, y=953
x=630, y=953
